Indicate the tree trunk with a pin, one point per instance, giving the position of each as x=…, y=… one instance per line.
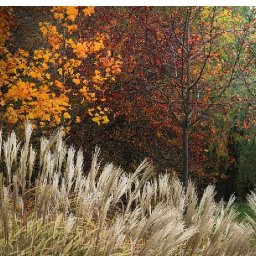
x=185, y=158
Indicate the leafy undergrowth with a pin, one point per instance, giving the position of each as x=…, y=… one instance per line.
x=49, y=207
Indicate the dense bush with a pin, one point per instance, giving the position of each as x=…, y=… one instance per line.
x=49, y=207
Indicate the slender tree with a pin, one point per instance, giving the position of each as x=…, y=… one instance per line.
x=183, y=61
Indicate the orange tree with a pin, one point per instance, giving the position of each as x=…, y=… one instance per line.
x=62, y=82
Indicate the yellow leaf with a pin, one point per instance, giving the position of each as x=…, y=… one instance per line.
x=44, y=66
x=96, y=119
x=76, y=81
x=60, y=71
x=33, y=74
x=67, y=115
x=59, y=84
x=78, y=119
x=105, y=120
x=23, y=53
x=72, y=12
x=57, y=119
x=58, y=16
x=90, y=110
x=72, y=28
x=88, y=11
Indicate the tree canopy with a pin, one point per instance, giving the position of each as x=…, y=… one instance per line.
x=175, y=84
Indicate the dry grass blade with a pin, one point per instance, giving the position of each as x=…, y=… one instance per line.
x=48, y=206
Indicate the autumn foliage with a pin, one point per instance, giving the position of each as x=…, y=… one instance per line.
x=44, y=85
x=174, y=84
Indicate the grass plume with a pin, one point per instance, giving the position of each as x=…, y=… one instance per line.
x=49, y=206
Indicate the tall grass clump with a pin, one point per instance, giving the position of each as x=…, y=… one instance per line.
x=49, y=205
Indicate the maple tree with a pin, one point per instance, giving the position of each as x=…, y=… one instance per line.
x=46, y=86
x=179, y=66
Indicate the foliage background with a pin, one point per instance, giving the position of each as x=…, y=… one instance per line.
x=222, y=145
